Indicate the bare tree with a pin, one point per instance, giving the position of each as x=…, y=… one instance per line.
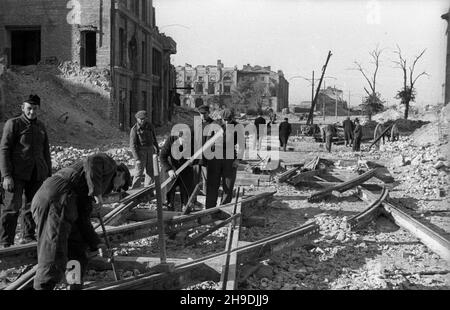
x=372, y=103
x=408, y=93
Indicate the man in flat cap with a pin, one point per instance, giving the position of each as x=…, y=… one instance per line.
x=143, y=145
x=24, y=163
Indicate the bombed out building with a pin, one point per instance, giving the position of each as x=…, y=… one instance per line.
x=117, y=35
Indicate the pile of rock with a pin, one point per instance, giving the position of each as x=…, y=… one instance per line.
x=421, y=169
x=65, y=156
x=94, y=76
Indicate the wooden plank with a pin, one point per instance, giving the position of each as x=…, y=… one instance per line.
x=286, y=175
x=229, y=271
x=342, y=187
x=304, y=176
x=143, y=264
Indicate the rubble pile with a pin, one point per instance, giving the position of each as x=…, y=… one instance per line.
x=65, y=156
x=99, y=77
x=422, y=170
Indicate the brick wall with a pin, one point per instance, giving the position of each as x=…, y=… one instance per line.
x=60, y=25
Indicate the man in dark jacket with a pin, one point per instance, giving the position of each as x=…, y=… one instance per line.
x=260, y=120
x=284, y=133
x=62, y=209
x=171, y=160
x=24, y=163
x=143, y=145
x=200, y=171
x=328, y=132
x=357, y=136
x=348, y=131
x=223, y=170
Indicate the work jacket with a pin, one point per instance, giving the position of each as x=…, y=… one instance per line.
x=23, y=148
x=285, y=129
x=348, y=125
x=142, y=137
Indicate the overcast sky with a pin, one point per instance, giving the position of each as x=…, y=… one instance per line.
x=296, y=35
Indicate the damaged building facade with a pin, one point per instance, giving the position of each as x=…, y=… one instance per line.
x=273, y=87
x=117, y=35
x=206, y=84
x=220, y=85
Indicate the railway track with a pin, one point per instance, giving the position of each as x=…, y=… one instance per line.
x=225, y=266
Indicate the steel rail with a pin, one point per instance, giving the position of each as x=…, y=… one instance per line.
x=249, y=252
x=428, y=236
x=432, y=239
x=27, y=254
x=342, y=187
x=370, y=213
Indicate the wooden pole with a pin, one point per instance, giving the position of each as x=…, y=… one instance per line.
x=313, y=104
x=162, y=243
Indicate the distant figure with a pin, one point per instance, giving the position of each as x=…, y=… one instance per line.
x=357, y=136
x=348, y=131
x=377, y=133
x=329, y=131
x=260, y=120
x=394, y=133
x=284, y=133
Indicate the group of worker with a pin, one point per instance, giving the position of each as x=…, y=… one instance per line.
x=284, y=130
x=353, y=134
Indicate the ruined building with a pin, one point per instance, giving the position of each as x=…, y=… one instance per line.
x=272, y=87
x=224, y=86
x=210, y=84
x=447, y=72
x=116, y=35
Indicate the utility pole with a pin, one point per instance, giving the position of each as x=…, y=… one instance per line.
x=335, y=100
x=312, y=89
x=348, y=104
x=313, y=104
x=323, y=102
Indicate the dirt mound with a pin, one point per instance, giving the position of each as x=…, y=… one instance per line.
x=406, y=125
x=73, y=112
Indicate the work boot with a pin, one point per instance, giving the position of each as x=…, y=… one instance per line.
x=27, y=240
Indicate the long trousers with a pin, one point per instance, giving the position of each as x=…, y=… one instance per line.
x=59, y=239
x=185, y=182
x=357, y=144
x=283, y=142
x=220, y=171
x=10, y=211
x=328, y=139
x=348, y=138
x=146, y=163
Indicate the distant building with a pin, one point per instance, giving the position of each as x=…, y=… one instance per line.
x=118, y=35
x=447, y=74
x=217, y=85
x=210, y=84
x=330, y=97
x=275, y=88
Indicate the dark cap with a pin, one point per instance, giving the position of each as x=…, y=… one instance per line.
x=357, y=120
x=227, y=114
x=34, y=99
x=203, y=109
x=141, y=114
